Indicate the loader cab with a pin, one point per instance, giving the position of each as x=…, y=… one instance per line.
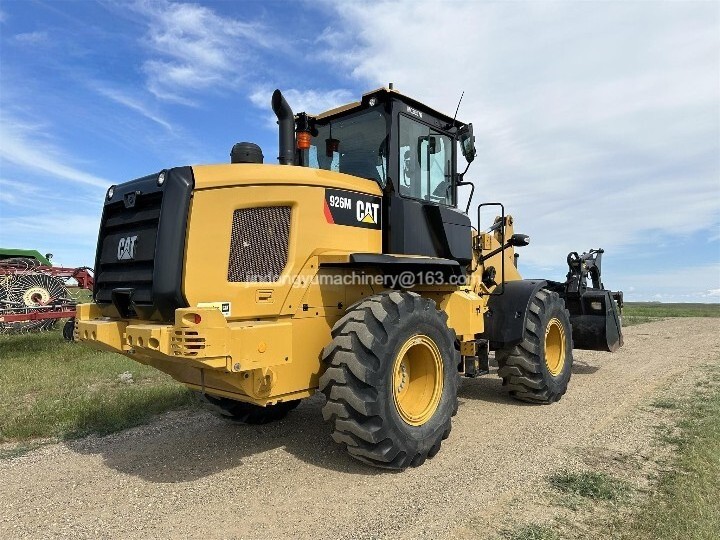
x=411, y=151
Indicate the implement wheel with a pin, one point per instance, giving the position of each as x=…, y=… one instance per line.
x=247, y=413
x=69, y=329
x=20, y=292
x=538, y=369
x=391, y=380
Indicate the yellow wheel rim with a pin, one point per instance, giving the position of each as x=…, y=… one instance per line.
x=417, y=380
x=555, y=347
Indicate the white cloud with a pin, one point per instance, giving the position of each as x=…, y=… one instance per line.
x=70, y=237
x=699, y=283
x=53, y=225
x=134, y=103
x=195, y=49
x=12, y=192
x=598, y=125
x=310, y=101
x=31, y=38
x=34, y=198
x=25, y=145
x=22, y=187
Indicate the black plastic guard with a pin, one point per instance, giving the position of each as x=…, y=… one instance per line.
x=596, y=322
x=505, y=317
x=146, y=281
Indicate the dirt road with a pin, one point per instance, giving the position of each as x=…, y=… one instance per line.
x=194, y=475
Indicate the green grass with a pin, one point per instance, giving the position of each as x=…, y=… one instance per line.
x=590, y=485
x=644, y=312
x=665, y=403
x=531, y=532
x=686, y=503
x=51, y=388
x=656, y=309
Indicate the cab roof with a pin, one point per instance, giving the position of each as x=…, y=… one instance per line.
x=385, y=94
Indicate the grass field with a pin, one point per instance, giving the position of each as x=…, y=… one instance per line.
x=51, y=388
x=686, y=503
x=642, y=312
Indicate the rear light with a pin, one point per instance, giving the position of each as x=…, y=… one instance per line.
x=303, y=140
x=192, y=318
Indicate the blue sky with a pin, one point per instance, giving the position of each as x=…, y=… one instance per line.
x=598, y=124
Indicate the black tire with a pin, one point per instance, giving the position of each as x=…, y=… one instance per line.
x=530, y=370
x=247, y=413
x=362, y=361
x=69, y=330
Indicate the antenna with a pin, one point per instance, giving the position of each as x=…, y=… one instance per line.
x=458, y=108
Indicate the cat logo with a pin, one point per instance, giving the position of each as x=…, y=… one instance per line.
x=367, y=212
x=126, y=248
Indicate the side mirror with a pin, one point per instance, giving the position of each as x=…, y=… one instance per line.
x=467, y=142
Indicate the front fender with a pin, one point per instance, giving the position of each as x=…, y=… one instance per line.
x=506, y=314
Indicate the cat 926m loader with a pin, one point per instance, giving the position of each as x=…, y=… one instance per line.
x=349, y=269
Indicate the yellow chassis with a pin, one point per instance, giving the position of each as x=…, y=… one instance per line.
x=268, y=348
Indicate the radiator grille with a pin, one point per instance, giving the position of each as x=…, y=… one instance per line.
x=259, y=244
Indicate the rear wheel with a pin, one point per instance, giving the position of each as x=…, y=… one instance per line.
x=391, y=380
x=247, y=413
x=538, y=369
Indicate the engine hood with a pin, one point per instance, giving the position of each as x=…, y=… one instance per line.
x=245, y=174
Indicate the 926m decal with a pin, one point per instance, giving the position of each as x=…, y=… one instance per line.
x=353, y=209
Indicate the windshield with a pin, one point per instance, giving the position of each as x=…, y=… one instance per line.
x=354, y=145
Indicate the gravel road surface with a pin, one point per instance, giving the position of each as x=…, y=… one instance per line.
x=190, y=474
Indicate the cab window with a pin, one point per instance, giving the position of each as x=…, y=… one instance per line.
x=425, y=163
x=354, y=145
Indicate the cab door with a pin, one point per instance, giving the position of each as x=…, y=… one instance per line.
x=421, y=213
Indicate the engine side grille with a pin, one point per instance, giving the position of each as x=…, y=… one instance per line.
x=259, y=244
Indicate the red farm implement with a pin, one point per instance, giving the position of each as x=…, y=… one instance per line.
x=34, y=297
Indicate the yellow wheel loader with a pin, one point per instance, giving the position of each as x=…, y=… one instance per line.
x=347, y=268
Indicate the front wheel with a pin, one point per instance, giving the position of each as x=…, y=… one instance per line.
x=538, y=369
x=391, y=380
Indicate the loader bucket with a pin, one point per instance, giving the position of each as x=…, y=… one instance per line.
x=597, y=327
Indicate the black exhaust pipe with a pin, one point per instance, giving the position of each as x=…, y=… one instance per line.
x=286, y=125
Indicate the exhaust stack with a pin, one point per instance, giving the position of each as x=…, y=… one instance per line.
x=286, y=128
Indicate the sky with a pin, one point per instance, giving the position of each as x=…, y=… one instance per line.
x=597, y=123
